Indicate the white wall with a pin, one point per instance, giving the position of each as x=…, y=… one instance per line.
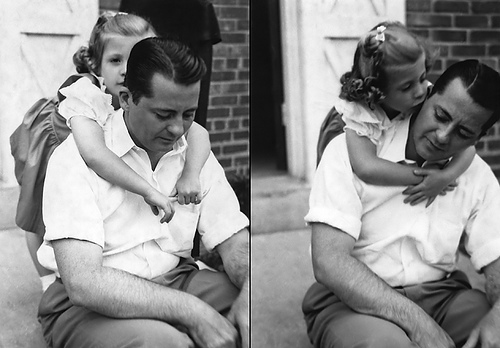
x=37, y=42
x=319, y=38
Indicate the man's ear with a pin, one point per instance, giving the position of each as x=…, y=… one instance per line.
x=125, y=98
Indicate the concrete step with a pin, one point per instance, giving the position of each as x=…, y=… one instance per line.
x=278, y=203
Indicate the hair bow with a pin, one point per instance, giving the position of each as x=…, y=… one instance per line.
x=380, y=33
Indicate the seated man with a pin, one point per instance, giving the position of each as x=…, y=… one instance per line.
x=125, y=279
x=386, y=271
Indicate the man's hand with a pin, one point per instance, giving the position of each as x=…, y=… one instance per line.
x=212, y=330
x=239, y=316
x=487, y=333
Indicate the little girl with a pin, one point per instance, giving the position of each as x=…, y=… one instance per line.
x=86, y=101
x=388, y=82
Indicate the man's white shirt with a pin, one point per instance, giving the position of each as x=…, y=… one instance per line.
x=406, y=244
x=79, y=204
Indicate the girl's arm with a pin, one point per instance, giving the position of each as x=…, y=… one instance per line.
x=374, y=170
x=188, y=185
x=438, y=182
x=89, y=139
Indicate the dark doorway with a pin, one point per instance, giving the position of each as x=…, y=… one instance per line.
x=268, y=151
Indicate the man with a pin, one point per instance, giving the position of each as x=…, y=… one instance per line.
x=125, y=279
x=385, y=270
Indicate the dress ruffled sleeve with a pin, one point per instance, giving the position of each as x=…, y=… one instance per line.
x=83, y=98
x=364, y=121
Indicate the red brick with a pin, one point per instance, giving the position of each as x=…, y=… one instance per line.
x=235, y=88
x=224, y=2
x=495, y=21
x=232, y=63
x=223, y=100
x=230, y=51
x=246, y=63
x=428, y=20
x=109, y=5
x=444, y=50
x=487, y=7
x=225, y=162
x=494, y=50
x=243, y=25
x=418, y=5
x=243, y=75
x=219, y=112
x=449, y=35
x=218, y=76
x=452, y=6
x=232, y=12
x=233, y=124
x=241, y=135
x=227, y=25
x=219, y=137
x=216, y=150
x=491, y=160
x=234, y=148
x=244, y=2
x=490, y=36
x=425, y=33
x=241, y=161
x=218, y=64
x=471, y=21
x=241, y=111
x=244, y=99
x=238, y=38
x=468, y=50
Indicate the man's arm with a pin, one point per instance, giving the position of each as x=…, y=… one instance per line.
x=118, y=294
x=235, y=256
x=487, y=332
x=363, y=291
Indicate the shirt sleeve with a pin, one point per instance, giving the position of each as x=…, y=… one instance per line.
x=482, y=240
x=220, y=215
x=70, y=202
x=334, y=199
x=83, y=98
x=365, y=122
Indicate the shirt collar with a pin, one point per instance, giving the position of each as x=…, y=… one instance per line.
x=120, y=142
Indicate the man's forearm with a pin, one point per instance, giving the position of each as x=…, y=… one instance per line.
x=119, y=294
x=358, y=287
x=235, y=256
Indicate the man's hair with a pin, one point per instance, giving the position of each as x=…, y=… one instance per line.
x=170, y=58
x=481, y=82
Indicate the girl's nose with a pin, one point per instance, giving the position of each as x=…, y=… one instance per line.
x=421, y=90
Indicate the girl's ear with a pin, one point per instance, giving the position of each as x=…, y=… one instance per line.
x=125, y=98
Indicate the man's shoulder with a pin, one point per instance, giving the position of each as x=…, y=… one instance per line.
x=480, y=173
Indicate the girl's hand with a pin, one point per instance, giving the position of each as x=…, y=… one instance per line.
x=435, y=182
x=188, y=190
x=159, y=201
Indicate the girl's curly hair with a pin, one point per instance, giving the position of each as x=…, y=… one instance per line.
x=367, y=79
x=89, y=59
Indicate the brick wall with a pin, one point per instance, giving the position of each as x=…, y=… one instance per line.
x=228, y=111
x=462, y=29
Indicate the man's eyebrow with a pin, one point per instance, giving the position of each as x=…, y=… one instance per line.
x=465, y=128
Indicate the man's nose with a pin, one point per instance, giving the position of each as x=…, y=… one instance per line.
x=443, y=134
x=176, y=127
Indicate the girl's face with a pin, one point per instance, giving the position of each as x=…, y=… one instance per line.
x=406, y=87
x=114, y=61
